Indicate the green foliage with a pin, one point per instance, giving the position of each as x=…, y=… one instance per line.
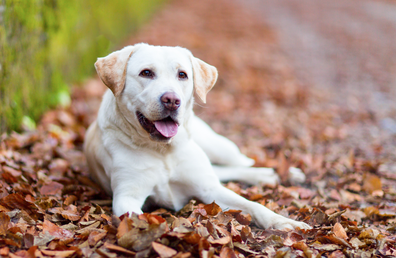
x=45, y=45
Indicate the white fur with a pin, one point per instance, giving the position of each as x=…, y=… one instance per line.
x=131, y=166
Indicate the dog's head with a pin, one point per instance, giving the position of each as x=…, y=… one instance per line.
x=153, y=86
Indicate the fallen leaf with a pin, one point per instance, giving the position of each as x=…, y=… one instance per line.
x=139, y=240
x=58, y=253
x=372, y=183
x=212, y=209
x=221, y=241
x=4, y=221
x=339, y=231
x=117, y=248
x=51, y=188
x=95, y=237
x=55, y=231
x=227, y=252
x=163, y=251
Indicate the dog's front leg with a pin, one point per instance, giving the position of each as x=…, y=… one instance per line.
x=133, y=177
x=130, y=191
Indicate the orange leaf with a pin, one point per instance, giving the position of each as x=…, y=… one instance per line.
x=51, y=189
x=95, y=237
x=4, y=221
x=221, y=241
x=163, y=250
x=339, y=231
x=227, y=252
x=56, y=231
x=372, y=183
x=117, y=248
x=212, y=209
x=124, y=227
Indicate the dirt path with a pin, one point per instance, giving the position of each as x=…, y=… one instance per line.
x=296, y=88
x=345, y=49
x=340, y=45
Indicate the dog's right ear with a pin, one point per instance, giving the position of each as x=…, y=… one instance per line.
x=112, y=69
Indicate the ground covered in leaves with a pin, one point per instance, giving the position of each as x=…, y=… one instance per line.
x=50, y=207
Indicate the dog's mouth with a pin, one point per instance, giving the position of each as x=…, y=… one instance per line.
x=162, y=130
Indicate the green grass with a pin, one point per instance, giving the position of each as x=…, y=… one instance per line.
x=46, y=45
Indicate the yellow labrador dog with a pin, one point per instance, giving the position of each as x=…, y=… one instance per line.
x=147, y=142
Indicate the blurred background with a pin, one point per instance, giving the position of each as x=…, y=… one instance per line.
x=303, y=78
x=47, y=45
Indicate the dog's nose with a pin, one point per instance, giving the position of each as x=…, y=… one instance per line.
x=170, y=100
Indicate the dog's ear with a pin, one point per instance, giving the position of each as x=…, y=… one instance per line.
x=205, y=77
x=112, y=69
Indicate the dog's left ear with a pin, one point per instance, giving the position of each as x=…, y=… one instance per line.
x=112, y=69
x=205, y=77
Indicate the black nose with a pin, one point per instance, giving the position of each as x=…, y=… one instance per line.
x=171, y=101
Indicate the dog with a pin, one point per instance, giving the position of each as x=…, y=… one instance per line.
x=147, y=142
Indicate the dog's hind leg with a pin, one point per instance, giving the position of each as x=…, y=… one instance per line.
x=219, y=149
x=253, y=176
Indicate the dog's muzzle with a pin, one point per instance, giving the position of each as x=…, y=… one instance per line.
x=160, y=130
x=166, y=128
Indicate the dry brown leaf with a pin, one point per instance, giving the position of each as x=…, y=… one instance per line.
x=4, y=251
x=117, y=248
x=370, y=233
x=303, y=247
x=4, y=221
x=372, y=183
x=139, y=240
x=52, y=188
x=339, y=231
x=212, y=209
x=163, y=251
x=227, y=252
x=95, y=237
x=18, y=201
x=221, y=241
x=71, y=213
x=70, y=200
x=124, y=227
x=151, y=218
x=337, y=254
x=56, y=231
x=192, y=238
x=58, y=253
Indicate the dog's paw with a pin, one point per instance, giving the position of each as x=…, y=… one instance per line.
x=296, y=176
x=286, y=223
x=282, y=223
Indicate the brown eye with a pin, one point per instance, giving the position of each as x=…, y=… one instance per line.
x=182, y=75
x=147, y=73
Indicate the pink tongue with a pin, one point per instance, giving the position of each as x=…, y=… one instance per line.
x=167, y=128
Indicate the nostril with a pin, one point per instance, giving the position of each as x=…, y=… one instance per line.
x=170, y=100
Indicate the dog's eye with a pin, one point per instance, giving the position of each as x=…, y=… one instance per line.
x=146, y=73
x=182, y=75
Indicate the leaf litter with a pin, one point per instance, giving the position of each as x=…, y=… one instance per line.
x=49, y=207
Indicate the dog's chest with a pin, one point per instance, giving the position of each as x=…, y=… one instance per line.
x=167, y=190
